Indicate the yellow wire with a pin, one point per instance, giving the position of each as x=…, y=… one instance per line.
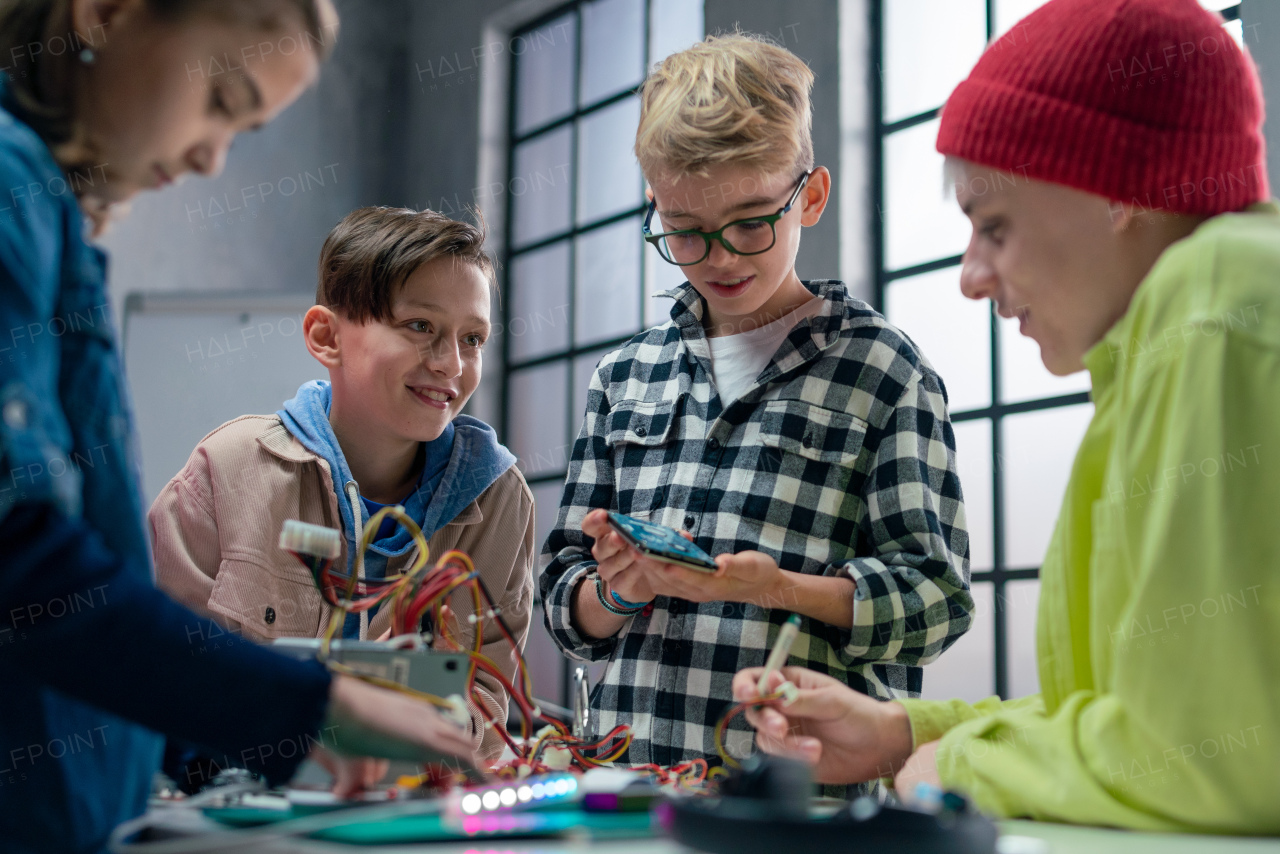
x=404, y=587
x=338, y=614
x=722, y=727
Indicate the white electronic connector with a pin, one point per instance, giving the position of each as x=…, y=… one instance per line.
x=305, y=538
x=789, y=693
x=547, y=730
x=557, y=758
x=456, y=710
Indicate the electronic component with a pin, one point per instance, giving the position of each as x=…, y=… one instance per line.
x=765, y=815
x=305, y=538
x=425, y=670
x=781, y=649
x=662, y=544
x=536, y=791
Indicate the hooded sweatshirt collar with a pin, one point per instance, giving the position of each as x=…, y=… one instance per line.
x=475, y=460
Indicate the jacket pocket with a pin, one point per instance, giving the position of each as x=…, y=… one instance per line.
x=267, y=601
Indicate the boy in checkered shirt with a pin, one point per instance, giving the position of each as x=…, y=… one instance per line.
x=784, y=425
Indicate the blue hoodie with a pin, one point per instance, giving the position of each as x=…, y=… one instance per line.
x=460, y=465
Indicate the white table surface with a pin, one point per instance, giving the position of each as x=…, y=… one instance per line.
x=1054, y=839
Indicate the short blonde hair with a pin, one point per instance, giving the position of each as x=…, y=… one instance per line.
x=737, y=98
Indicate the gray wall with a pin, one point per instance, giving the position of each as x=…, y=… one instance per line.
x=1261, y=20
x=443, y=76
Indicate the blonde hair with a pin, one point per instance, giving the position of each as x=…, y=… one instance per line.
x=737, y=98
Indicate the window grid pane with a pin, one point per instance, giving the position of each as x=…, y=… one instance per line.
x=922, y=221
x=612, y=48
x=1039, y=448
x=1021, y=601
x=607, y=272
x=953, y=332
x=539, y=437
x=928, y=46
x=540, y=186
x=966, y=670
x=538, y=288
x=572, y=175
x=544, y=72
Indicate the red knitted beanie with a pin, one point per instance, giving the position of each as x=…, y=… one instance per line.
x=1148, y=102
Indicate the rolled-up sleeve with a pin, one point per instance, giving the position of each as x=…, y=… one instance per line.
x=911, y=598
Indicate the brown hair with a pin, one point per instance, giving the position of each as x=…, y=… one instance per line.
x=372, y=252
x=40, y=79
x=737, y=98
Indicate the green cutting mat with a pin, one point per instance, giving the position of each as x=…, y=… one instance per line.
x=431, y=828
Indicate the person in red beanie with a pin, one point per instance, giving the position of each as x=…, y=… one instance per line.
x=1111, y=163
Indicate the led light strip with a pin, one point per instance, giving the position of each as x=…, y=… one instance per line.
x=545, y=790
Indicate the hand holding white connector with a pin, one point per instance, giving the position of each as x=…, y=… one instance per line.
x=455, y=709
x=790, y=693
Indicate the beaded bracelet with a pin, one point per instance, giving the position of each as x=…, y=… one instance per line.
x=609, y=606
x=626, y=603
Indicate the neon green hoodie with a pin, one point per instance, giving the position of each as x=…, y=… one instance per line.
x=1158, y=635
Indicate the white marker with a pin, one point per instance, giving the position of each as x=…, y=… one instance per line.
x=781, y=649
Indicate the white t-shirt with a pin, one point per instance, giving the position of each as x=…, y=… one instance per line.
x=736, y=360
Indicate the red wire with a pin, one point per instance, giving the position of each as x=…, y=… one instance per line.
x=452, y=575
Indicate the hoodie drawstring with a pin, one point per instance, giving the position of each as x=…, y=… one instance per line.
x=357, y=513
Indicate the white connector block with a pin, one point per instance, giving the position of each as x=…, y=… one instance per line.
x=789, y=693
x=308, y=539
x=557, y=758
x=456, y=710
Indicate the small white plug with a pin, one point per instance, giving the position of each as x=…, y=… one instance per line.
x=456, y=710
x=305, y=538
x=557, y=758
x=789, y=693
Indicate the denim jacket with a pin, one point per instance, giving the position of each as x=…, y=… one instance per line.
x=64, y=439
x=81, y=627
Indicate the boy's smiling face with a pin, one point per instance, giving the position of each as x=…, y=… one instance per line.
x=742, y=292
x=408, y=376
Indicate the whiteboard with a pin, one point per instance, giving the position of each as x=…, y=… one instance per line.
x=197, y=360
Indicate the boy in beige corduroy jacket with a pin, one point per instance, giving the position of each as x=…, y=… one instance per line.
x=400, y=322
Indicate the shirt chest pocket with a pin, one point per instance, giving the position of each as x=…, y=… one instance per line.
x=640, y=425
x=810, y=433
x=641, y=440
x=806, y=476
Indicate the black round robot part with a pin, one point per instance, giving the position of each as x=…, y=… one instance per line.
x=740, y=826
x=763, y=810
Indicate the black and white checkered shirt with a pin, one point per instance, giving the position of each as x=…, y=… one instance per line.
x=839, y=460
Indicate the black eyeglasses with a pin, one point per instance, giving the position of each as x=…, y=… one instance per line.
x=742, y=237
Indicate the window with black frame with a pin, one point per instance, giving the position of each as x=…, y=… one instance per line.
x=577, y=275
x=1017, y=426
